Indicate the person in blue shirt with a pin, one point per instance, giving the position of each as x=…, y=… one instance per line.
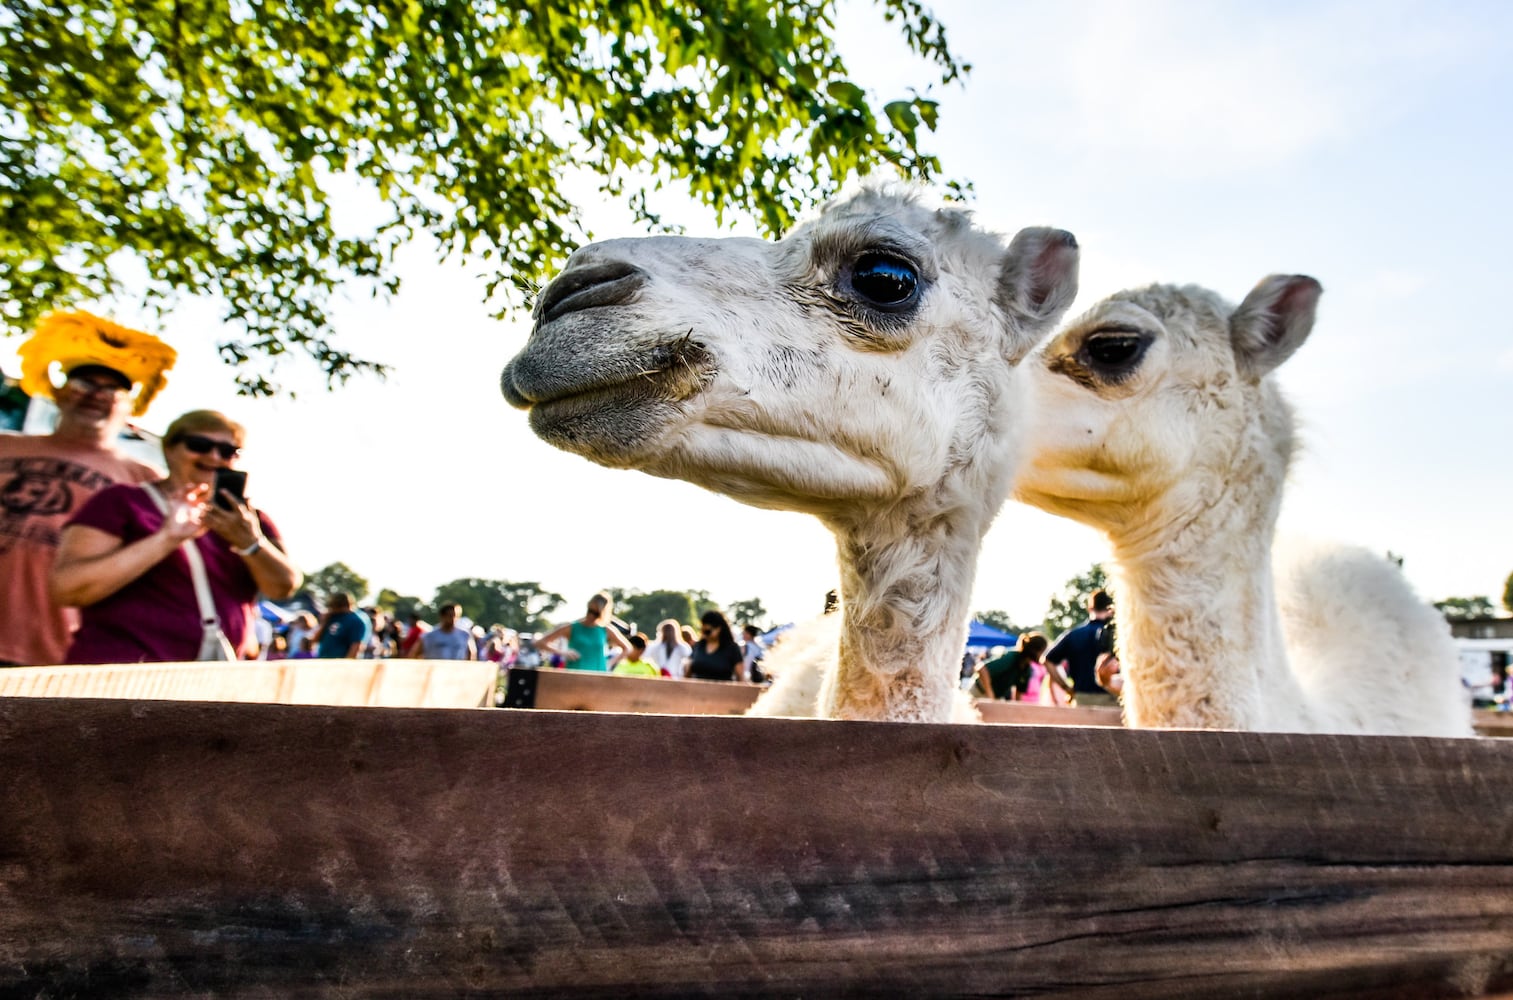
x=345, y=631
x=446, y=641
x=1073, y=662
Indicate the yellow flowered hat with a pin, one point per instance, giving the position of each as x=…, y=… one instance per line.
x=72, y=339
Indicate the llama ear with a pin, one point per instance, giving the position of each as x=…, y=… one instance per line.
x=1038, y=280
x=1273, y=321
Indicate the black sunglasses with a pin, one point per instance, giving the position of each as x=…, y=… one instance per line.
x=201, y=445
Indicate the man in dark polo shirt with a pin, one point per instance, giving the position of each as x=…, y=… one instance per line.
x=1073, y=661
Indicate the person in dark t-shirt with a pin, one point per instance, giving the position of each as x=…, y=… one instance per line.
x=1073, y=660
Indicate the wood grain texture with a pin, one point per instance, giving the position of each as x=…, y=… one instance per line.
x=183, y=849
x=585, y=691
x=1025, y=713
x=1489, y=723
x=375, y=683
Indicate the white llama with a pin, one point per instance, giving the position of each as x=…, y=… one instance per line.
x=1156, y=422
x=860, y=369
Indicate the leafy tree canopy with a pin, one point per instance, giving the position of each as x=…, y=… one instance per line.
x=401, y=606
x=336, y=578
x=1460, y=608
x=201, y=140
x=1507, y=594
x=999, y=620
x=520, y=606
x=702, y=602
x=746, y=612
x=1069, y=608
x=645, y=610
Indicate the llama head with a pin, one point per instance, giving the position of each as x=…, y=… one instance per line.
x=864, y=357
x=1157, y=399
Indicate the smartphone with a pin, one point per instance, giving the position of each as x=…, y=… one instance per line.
x=233, y=481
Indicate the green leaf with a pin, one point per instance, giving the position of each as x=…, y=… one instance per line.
x=198, y=143
x=847, y=94
x=901, y=114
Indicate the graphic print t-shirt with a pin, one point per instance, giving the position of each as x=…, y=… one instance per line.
x=43, y=482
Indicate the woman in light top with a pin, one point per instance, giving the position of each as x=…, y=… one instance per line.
x=587, y=637
x=669, y=652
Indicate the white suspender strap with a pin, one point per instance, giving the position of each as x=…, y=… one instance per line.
x=208, y=617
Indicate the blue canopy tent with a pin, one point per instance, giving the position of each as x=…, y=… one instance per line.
x=769, y=637
x=980, y=636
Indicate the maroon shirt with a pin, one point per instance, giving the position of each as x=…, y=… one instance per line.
x=155, y=618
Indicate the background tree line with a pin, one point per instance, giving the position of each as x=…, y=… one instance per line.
x=1069, y=607
x=528, y=606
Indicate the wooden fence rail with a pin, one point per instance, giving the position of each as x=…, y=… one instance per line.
x=373, y=683
x=579, y=691
x=450, y=684
x=161, y=848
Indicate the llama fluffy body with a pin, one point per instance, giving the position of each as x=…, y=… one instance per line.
x=861, y=369
x=1158, y=424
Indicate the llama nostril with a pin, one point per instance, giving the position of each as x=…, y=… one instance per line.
x=608, y=284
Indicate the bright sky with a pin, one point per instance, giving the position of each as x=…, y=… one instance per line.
x=1365, y=143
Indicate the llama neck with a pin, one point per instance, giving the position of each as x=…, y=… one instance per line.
x=1200, y=638
x=906, y=585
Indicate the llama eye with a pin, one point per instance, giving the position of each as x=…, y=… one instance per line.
x=885, y=281
x=1115, y=351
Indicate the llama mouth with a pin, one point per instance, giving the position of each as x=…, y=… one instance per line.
x=610, y=405
x=668, y=372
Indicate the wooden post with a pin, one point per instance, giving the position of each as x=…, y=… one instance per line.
x=590, y=691
x=188, y=849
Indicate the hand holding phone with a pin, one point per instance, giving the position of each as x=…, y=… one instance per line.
x=233, y=481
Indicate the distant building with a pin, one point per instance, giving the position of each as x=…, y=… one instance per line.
x=1482, y=628
x=1486, y=655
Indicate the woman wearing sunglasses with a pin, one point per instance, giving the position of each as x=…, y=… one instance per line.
x=587, y=638
x=160, y=570
x=716, y=656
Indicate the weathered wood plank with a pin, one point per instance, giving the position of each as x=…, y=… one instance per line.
x=177, y=849
x=375, y=683
x=585, y=691
x=1025, y=713
x=1489, y=723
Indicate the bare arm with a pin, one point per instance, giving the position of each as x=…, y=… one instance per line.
x=1057, y=675
x=982, y=683
x=272, y=571
x=93, y=564
x=617, y=638
x=544, y=643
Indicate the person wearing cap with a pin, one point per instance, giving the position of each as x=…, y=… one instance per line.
x=1072, y=663
x=46, y=478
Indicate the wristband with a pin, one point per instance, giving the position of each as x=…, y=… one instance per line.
x=257, y=543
